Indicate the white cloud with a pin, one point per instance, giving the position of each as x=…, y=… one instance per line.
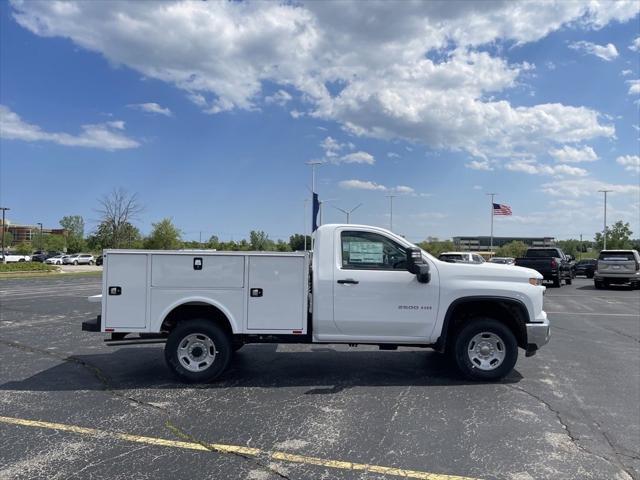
x=569, y=154
x=626, y=73
x=477, y=187
x=362, y=185
x=281, y=97
x=221, y=54
x=630, y=162
x=634, y=87
x=369, y=185
x=635, y=45
x=331, y=147
x=606, y=52
x=393, y=155
x=358, y=157
x=479, y=165
x=540, y=169
x=105, y=136
x=585, y=187
x=151, y=107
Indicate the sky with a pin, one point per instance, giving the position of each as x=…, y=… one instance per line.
x=209, y=111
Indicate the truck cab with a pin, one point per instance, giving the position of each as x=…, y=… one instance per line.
x=360, y=285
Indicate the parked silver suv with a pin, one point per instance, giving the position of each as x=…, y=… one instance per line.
x=616, y=267
x=79, y=259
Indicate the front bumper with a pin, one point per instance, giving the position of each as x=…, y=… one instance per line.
x=538, y=333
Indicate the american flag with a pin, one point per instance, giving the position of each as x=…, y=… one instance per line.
x=499, y=209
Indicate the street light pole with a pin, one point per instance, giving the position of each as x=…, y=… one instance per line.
x=313, y=164
x=40, y=240
x=4, y=227
x=605, y=218
x=304, y=230
x=492, y=195
x=391, y=196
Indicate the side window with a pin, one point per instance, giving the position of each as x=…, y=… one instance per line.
x=477, y=259
x=371, y=251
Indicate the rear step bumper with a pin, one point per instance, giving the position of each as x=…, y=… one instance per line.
x=92, y=325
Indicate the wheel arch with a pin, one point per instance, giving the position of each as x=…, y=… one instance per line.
x=197, y=307
x=510, y=311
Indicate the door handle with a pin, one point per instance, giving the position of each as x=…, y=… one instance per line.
x=348, y=281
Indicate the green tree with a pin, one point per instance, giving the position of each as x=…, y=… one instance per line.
x=435, y=246
x=73, y=224
x=571, y=247
x=55, y=243
x=512, y=249
x=8, y=238
x=618, y=237
x=259, y=240
x=213, y=243
x=103, y=237
x=164, y=236
x=296, y=242
x=282, y=246
x=24, y=248
x=117, y=210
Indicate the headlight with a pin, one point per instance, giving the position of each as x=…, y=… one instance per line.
x=535, y=281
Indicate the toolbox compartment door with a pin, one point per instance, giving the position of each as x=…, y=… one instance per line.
x=276, y=293
x=125, y=291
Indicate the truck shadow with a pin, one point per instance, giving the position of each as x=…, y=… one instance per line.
x=324, y=370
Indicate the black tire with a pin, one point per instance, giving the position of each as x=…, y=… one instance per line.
x=75, y=262
x=463, y=343
x=598, y=285
x=568, y=281
x=90, y=262
x=556, y=282
x=206, y=328
x=589, y=275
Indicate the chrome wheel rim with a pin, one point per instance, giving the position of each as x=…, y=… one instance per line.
x=486, y=351
x=197, y=352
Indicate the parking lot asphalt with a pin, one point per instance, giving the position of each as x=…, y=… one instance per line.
x=315, y=411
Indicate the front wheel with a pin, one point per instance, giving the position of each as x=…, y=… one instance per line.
x=75, y=262
x=568, y=281
x=485, y=349
x=90, y=262
x=198, y=351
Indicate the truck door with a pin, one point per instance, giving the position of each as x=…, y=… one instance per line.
x=374, y=294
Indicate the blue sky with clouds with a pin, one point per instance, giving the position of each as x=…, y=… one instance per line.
x=209, y=111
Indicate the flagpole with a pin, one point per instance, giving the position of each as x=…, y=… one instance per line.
x=492, y=195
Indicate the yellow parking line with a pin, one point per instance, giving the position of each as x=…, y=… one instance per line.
x=254, y=452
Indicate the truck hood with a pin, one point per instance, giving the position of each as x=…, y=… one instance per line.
x=487, y=271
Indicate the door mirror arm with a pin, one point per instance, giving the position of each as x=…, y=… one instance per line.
x=417, y=266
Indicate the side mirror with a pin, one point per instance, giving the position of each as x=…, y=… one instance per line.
x=417, y=266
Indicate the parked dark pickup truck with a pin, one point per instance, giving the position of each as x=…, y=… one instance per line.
x=550, y=262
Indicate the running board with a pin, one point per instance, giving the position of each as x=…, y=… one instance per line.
x=135, y=340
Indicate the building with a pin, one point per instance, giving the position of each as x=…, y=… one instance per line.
x=26, y=233
x=483, y=243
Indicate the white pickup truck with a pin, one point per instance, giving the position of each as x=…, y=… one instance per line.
x=361, y=285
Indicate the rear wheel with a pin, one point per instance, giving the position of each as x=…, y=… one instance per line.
x=198, y=351
x=568, y=281
x=75, y=262
x=599, y=285
x=485, y=349
x=556, y=282
x=90, y=262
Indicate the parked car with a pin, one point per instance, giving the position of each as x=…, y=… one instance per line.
x=80, y=259
x=503, y=260
x=55, y=260
x=461, y=257
x=616, y=267
x=369, y=286
x=99, y=260
x=550, y=262
x=41, y=256
x=13, y=258
x=586, y=267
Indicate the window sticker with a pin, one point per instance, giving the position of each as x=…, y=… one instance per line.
x=365, y=252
